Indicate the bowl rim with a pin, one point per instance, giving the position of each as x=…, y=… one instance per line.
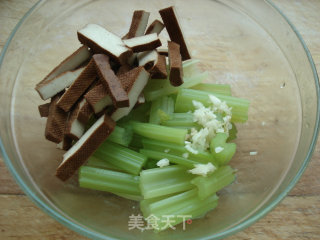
x=242, y=225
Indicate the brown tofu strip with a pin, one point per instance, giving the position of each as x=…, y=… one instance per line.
x=110, y=81
x=57, y=80
x=78, y=154
x=159, y=70
x=155, y=27
x=143, y=43
x=101, y=40
x=74, y=128
x=85, y=112
x=133, y=82
x=174, y=30
x=65, y=144
x=44, y=109
x=138, y=24
x=175, y=64
x=56, y=122
x=78, y=87
x=58, y=84
x=98, y=98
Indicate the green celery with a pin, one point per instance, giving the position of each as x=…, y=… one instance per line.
x=172, y=158
x=232, y=133
x=122, y=136
x=223, y=89
x=161, y=133
x=139, y=113
x=108, y=180
x=229, y=149
x=180, y=120
x=219, y=179
x=174, y=149
x=136, y=141
x=164, y=181
x=186, y=96
x=128, y=160
x=182, y=204
x=168, y=89
x=165, y=103
x=151, y=163
x=99, y=163
x=134, y=197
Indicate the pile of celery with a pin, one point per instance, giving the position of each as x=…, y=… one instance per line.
x=126, y=164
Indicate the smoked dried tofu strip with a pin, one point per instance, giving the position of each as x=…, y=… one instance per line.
x=170, y=20
x=78, y=154
x=110, y=81
x=101, y=40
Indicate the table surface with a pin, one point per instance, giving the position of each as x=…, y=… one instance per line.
x=297, y=217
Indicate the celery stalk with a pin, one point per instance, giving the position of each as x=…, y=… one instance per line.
x=134, y=197
x=139, y=113
x=165, y=103
x=219, y=179
x=228, y=149
x=161, y=133
x=151, y=163
x=122, y=136
x=180, y=120
x=172, y=158
x=174, y=149
x=177, y=206
x=232, y=133
x=186, y=96
x=168, y=89
x=164, y=181
x=107, y=180
x=100, y=163
x=121, y=157
x=136, y=141
x=223, y=89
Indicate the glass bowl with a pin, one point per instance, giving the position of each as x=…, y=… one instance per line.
x=248, y=44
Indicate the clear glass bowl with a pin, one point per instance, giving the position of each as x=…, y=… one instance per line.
x=248, y=44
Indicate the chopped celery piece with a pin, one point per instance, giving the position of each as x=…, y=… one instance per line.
x=99, y=163
x=222, y=151
x=186, y=204
x=186, y=96
x=163, y=116
x=154, y=84
x=172, y=158
x=164, y=181
x=151, y=163
x=140, y=113
x=174, y=149
x=122, y=157
x=122, y=136
x=180, y=120
x=219, y=179
x=232, y=133
x=134, y=197
x=108, y=180
x=161, y=133
x=136, y=141
x=165, y=103
x=168, y=89
x=223, y=89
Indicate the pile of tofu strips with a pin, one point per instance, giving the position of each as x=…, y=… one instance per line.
x=104, y=79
